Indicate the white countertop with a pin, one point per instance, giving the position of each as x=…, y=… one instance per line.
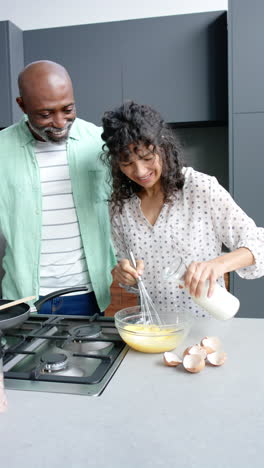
x=150, y=415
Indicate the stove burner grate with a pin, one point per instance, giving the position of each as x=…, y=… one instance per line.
x=89, y=366
x=54, y=362
x=85, y=332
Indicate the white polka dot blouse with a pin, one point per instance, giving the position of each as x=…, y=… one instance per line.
x=202, y=217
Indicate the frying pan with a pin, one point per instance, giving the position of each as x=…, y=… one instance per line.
x=18, y=314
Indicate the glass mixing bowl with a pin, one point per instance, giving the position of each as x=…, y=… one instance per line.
x=152, y=338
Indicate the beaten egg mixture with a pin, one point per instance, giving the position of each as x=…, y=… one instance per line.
x=151, y=338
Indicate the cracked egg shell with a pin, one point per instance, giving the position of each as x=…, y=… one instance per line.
x=211, y=344
x=171, y=359
x=193, y=363
x=217, y=358
x=196, y=349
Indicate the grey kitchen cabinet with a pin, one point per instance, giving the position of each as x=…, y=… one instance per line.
x=248, y=163
x=177, y=64
x=250, y=294
x=246, y=123
x=249, y=193
x=12, y=62
x=246, y=20
x=91, y=54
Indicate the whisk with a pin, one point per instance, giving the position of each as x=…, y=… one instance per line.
x=148, y=309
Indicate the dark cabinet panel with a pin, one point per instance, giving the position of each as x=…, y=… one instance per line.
x=248, y=163
x=178, y=65
x=12, y=62
x=91, y=54
x=246, y=28
x=5, y=92
x=246, y=123
x=16, y=63
x=250, y=294
x=206, y=150
x=249, y=193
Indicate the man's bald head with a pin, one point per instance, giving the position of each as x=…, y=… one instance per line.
x=31, y=79
x=46, y=96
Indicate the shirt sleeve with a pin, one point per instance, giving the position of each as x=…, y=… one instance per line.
x=120, y=247
x=236, y=229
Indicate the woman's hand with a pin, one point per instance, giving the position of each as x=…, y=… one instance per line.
x=198, y=273
x=126, y=274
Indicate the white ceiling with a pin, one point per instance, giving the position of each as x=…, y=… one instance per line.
x=36, y=14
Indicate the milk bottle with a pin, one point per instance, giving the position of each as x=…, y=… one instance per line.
x=221, y=305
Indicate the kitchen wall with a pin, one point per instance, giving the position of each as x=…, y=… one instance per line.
x=52, y=14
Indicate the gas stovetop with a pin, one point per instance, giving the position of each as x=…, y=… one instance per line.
x=62, y=354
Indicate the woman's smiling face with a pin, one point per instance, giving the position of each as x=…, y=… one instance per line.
x=143, y=166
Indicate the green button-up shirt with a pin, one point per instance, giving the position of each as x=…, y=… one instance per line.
x=21, y=208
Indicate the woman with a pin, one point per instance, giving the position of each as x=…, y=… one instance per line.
x=161, y=210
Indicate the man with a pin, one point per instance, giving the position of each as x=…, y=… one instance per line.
x=53, y=210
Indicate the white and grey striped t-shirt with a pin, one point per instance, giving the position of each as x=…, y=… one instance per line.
x=62, y=259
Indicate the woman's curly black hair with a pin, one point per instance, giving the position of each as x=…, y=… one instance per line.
x=133, y=123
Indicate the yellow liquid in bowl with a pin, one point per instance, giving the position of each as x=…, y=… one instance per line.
x=151, y=338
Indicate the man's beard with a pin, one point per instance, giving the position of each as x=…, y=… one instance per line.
x=52, y=134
